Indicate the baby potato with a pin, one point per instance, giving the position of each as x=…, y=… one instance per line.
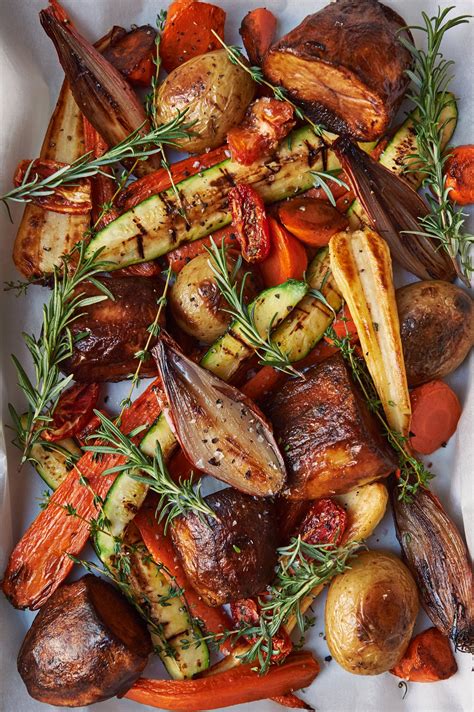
x=370, y=613
x=215, y=94
x=196, y=302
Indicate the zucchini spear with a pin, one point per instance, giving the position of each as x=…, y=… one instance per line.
x=362, y=268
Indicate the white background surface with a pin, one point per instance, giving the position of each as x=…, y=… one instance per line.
x=30, y=77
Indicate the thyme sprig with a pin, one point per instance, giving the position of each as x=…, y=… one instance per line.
x=412, y=473
x=431, y=77
x=55, y=344
x=235, y=56
x=175, y=498
x=268, y=351
x=136, y=146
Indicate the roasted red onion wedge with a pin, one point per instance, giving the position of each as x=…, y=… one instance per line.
x=437, y=557
x=219, y=428
x=102, y=94
x=393, y=208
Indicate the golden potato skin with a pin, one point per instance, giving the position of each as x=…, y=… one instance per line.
x=215, y=94
x=196, y=302
x=437, y=328
x=370, y=613
x=232, y=556
x=330, y=441
x=86, y=644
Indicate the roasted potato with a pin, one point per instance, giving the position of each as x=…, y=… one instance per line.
x=215, y=94
x=437, y=328
x=196, y=302
x=85, y=645
x=365, y=507
x=370, y=613
x=115, y=330
x=330, y=441
x=232, y=556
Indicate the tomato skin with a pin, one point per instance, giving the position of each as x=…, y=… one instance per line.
x=247, y=610
x=73, y=411
x=250, y=222
x=266, y=122
x=324, y=523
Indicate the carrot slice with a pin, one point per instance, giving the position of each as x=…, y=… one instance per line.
x=180, y=257
x=231, y=687
x=258, y=30
x=262, y=383
x=188, y=32
x=312, y=221
x=428, y=658
x=160, y=546
x=435, y=414
x=287, y=258
x=459, y=171
x=159, y=181
x=40, y=561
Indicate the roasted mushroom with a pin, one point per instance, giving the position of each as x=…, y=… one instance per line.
x=115, y=330
x=437, y=328
x=85, y=645
x=345, y=66
x=330, y=441
x=230, y=556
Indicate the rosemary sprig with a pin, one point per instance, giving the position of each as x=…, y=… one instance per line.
x=235, y=56
x=54, y=344
x=431, y=77
x=412, y=473
x=175, y=498
x=268, y=351
x=321, y=179
x=135, y=146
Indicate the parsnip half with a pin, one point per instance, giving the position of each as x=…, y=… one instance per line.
x=362, y=268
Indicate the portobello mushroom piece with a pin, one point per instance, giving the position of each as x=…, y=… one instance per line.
x=330, y=441
x=230, y=556
x=345, y=66
x=86, y=644
x=115, y=330
x=436, y=327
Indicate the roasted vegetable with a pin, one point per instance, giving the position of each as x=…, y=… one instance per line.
x=365, y=507
x=362, y=269
x=132, y=54
x=428, y=658
x=229, y=438
x=196, y=302
x=436, y=555
x=436, y=327
x=258, y=30
x=215, y=94
x=73, y=411
x=230, y=556
x=459, y=170
x=102, y=94
x=370, y=613
x=345, y=66
x=231, y=687
x=44, y=236
x=287, y=258
x=330, y=440
x=115, y=330
x=250, y=223
x=311, y=220
x=85, y=645
x=435, y=414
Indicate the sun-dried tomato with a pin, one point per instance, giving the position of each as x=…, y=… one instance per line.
x=250, y=223
x=247, y=611
x=266, y=122
x=73, y=411
x=324, y=523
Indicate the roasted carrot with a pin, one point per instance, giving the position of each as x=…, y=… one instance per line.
x=258, y=30
x=428, y=658
x=459, y=171
x=321, y=351
x=435, y=412
x=40, y=561
x=215, y=620
x=232, y=687
x=188, y=32
x=262, y=383
x=343, y=326
x=312, y=221
x=180, y=257
x=102, y=187
x=160, y=180
x=287, y=258
x=133, y=53
x=291, y=702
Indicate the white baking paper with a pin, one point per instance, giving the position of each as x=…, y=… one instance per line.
x=30, y=77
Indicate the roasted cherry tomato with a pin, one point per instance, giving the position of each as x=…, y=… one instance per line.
x=89, y=428
x=73, y=411
x=247, y=610
x=266, y=122
x=250, y=222
x=324, y=523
